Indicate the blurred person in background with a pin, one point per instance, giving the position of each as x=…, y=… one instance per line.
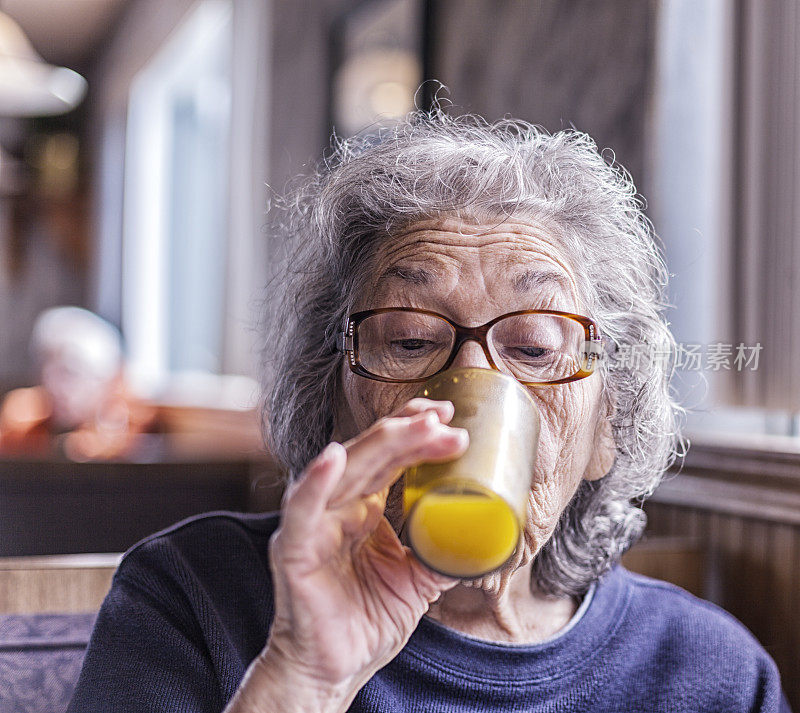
x=82, y=407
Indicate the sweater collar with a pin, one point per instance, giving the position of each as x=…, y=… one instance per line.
x=571, y=648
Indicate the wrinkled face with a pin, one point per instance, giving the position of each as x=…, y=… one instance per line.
x=472, y=274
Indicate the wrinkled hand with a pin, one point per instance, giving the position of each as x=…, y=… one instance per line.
x=348, y=593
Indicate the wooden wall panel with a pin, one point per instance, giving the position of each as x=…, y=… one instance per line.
x=680, y=560
x=557, y=63
x=784, y=586
x=743, y=507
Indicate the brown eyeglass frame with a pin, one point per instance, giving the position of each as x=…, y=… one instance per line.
x=347, y=342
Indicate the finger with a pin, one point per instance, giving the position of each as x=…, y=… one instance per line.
x=306, y=499
x=435, y=450
x=376, y=458
x=444, y=409
x=360, y=517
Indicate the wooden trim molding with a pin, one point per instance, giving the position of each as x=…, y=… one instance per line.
x=754, y=480
x=741, y=503
x=770, y=460
x=55, y=583
x=751, y=501
x=79, y=561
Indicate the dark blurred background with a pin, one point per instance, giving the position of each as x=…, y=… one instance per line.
x=141, y=196
x=146, y=203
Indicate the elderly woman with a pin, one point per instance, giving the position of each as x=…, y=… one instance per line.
x=324, y=608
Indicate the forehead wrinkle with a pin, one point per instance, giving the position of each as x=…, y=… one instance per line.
x=443, y=254
x=412, y=262
x=432, y=258
x=409, y=276
x=407, y=254
x=416, y=239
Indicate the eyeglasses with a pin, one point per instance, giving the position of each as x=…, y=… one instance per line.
x=406, y=345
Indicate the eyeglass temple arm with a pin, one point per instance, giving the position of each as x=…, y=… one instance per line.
x=594, y=346
x=344, y=342
x=607, y=345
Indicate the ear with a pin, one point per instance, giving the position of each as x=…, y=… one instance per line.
x=604, y=451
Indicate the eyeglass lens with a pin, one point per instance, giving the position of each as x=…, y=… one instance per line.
x=530, y=347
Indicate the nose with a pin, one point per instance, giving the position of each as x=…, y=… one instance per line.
x=471, y=354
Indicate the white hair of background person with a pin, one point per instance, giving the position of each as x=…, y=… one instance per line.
x=79, y=355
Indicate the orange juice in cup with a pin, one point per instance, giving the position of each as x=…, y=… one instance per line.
x=464, y=518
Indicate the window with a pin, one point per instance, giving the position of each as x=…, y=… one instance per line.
x=726, y=133
x=176, y=210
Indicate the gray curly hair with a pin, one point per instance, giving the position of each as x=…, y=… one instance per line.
x=433, y=165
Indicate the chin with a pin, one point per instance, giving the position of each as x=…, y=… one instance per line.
x=495, y=582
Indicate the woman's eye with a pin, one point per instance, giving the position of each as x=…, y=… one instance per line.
x=533, y=352
x=527, y=353
x=412, y=345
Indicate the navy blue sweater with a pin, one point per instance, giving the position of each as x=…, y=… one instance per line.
x=191, y=607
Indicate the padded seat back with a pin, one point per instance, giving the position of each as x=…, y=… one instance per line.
x=40, y=659
x=47, y=610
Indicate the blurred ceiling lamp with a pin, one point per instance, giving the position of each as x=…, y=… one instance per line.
x=29, y=86
x=375, y=87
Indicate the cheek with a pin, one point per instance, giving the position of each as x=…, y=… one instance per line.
x=566, y=440
x=565, y=447
x=366, y=400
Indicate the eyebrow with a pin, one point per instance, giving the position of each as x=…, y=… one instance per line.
x=414, y=275
x=533, y=279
